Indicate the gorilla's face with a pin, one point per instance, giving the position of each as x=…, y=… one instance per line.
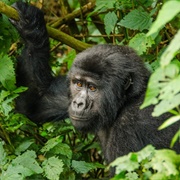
x=101, y=80
x=85, y=98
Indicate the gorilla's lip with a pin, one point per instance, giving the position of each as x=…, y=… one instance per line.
x=78, y=118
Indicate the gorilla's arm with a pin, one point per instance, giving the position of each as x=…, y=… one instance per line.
x=33, y=70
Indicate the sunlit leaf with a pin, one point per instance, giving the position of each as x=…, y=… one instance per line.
x=169, y=122
x=170, y=51
x=53, y=167
x=169, y=10
x=140, y=42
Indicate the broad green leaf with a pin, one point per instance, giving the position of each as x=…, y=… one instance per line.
x=140, y=42
x=170, y=90
x=53, y=167
x=51, y=143
x=28, y=161
x=169, y=122
x=163, y=88
x=15, y=172
x=22, y=166
x=169, y=10
x=164, y=162
x=137, y=19
x=153, y=88
x=171, y=50
x=7, y=75
x=146, y=153
x=82, y=166
x=23, y=146
x=63, y=149
x=166, y=105
x=7, y=106
x=110, y=20
x=125, y=163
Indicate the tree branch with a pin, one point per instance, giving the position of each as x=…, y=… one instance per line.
x=53, y=33
x=74, y=14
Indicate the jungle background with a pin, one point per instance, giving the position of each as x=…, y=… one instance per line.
x=55, y=150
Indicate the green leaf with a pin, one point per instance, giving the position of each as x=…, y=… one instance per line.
x=165, y=161
x=166, y=105
x=163, y=88
x=53, y=167
x=171, y=89
x=20, y=89
x=22, y=166
x=169, y=122
x=83, y=167
x=7, y=75
x=146, y=153
x=63, y=149
x=110, y=20
x=24, y=146
x=2, y=154
x=153, y=88
x=15, y=172
x=137, y=19
x=175, y=138
x=28, y=160
x=8, y=33
x=171, y=50
x=103, y=5
x=125, y=163
x=51, y=143
x=140, y=42
x=132, y=175
x=169, y=10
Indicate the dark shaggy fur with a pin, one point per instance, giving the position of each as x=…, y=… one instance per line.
x=110, y=110
x=46, y=97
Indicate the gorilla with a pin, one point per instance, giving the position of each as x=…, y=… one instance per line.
x=101, y=94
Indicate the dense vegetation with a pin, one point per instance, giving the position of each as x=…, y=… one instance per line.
x=56, y=150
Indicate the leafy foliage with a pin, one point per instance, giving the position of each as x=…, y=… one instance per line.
x=140, y=42
x=148, y=164
x=7, y=76
x=22, y=166
x=167, y=93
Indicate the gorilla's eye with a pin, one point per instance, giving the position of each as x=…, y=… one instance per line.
x=92, y=87
x=79, y=83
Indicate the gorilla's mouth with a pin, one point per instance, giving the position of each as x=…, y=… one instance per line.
x=79, y=118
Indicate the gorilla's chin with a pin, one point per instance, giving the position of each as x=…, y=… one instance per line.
x=83, y=124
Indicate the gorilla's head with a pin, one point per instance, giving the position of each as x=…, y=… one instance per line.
x=102, y=79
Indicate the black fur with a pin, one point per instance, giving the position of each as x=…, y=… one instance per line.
x=120, y=125
x=111, y=110
x=46, y=97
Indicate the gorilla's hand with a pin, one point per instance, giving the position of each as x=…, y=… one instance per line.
x=31, y=24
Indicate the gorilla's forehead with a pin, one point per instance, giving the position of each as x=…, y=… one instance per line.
x=81, y=74
x=104, y=61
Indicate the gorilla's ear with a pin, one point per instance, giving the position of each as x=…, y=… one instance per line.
x=137, y=82
x=128, y=82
